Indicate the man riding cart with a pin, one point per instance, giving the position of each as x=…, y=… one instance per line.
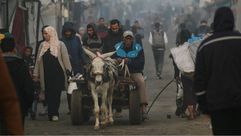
x=129, y=92
x=132, y=55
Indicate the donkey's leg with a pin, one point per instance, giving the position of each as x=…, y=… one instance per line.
x=104, y=108
x=110, y=100
x=96, y=108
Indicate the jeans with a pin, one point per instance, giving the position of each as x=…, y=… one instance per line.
x=158, y=54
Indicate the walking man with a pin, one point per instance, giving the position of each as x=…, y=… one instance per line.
x=75, y=52
x=158, y=40
x=217, y=74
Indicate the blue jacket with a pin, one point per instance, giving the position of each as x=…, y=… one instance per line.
x=75, y=50
x=135, y=56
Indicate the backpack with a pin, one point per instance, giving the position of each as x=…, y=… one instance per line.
x=158, y=39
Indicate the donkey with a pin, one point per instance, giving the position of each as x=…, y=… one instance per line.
x=101, y=82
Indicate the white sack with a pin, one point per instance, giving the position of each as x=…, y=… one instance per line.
x=182, y=58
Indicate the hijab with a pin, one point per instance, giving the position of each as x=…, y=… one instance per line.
x=52, y=44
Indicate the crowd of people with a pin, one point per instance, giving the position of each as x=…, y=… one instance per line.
x=214, y=85
x=56, y=57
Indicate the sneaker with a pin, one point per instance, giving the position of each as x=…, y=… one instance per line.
x=55, y=118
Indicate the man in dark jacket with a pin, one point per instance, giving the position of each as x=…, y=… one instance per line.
x=19, y=73
x=74, y=47
x=114, y=36
x=75, y=50
x=217, y=76
x=133, y=55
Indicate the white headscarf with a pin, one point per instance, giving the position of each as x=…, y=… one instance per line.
x=52, y=44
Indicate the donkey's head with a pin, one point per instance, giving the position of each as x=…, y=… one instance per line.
x=98, y=66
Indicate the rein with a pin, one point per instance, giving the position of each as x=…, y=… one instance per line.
x=126, y=69
x=105, y=74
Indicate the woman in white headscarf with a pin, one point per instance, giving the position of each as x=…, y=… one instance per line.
x=51, y=65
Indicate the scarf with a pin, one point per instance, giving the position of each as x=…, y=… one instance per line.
x=52, y=44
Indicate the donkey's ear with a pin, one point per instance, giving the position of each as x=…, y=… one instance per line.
x=89, y=53
x=106, y=55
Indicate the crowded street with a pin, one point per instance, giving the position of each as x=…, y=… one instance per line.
x=120, y=67
x=157, y=124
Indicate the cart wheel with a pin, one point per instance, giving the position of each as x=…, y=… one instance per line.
x=134, y=107
x=86, y=115
x=76, y=108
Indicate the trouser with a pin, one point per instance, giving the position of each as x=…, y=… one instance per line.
x=189, y=97
x=44, y=102
x=226, y=122
x=53, y=101
x=138, y=78
x=158, y=54
x=69, y=101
